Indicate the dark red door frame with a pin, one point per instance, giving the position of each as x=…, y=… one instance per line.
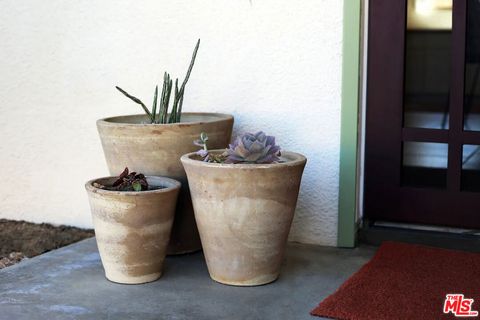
x=385, y=197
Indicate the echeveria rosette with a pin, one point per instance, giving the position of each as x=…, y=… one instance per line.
x=253, y=148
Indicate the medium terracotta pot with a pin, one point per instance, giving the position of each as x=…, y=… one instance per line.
x=244, y=213
x=155, y=149
x=132, y=229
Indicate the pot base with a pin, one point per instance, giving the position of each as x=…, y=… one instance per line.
x=123, y=279
x=258, y=281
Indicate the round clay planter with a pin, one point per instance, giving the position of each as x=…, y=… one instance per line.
x=244, y=213
x=132, y=229
x=155, y=149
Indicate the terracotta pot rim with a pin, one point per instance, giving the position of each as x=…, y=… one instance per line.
x=172, y=185
x=220, y=118
x=296, y=159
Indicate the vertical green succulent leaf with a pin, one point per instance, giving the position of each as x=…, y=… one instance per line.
x=162, y=101
x=182, y=88
x=173, y=114
x=154, y=106
x=160, y=107
x=167, y=100
x=190, y=67
x=179, y=114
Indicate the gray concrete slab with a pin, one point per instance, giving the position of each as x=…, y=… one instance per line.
x=69, y=283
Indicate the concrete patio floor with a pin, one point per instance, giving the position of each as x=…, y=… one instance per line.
x=69, y=283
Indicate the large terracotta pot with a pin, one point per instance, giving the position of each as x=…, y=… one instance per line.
x=155, y=149
x=132, y=229
x=244, y=213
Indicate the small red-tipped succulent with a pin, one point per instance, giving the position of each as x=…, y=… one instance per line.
x=127, y=182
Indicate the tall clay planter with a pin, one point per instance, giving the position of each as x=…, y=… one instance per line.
x=155, y=149
x=244, y=213
x=132, y=228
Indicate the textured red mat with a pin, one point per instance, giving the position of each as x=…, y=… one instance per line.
x=405, y=281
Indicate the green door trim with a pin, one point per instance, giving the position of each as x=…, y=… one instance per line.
x=347, y=221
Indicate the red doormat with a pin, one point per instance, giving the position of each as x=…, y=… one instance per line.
x=406, y=281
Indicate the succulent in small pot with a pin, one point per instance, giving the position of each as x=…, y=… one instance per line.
x=253, y=148
x=127, y=181
x=244, y=199
x=153, y=143
x=133, y=217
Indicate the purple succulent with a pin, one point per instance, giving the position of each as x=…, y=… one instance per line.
x=202, y=142
x=130, y=181
x=253, y=148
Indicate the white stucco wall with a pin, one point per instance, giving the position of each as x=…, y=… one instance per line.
x=274, y=64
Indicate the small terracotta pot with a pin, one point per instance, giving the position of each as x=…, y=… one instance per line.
x=244, y=213
x=132, y=229
x=155, y=149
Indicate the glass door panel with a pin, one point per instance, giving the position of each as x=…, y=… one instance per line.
x=424, y=164
x=427, y=64
x=471, y=168
x=471, y=107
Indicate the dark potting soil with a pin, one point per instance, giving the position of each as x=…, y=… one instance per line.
x=20, y=239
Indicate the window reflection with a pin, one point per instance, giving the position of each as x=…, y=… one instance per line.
x=424, y=164
x=471, y=168
x=429, y=15
x=471, y=107
x=427, y=64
